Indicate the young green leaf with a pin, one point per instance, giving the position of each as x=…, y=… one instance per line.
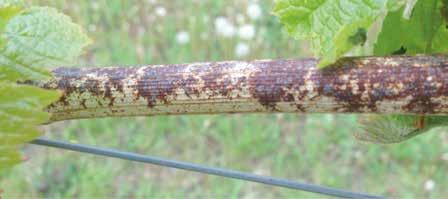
x=444, y=10
x=393, y=5
x=8, y=9
x=425, y=31
x=39, y=37
x=408, y=9
x=331, y=24
x=30, y=39
x=21, y=110
x=5, y=3
x=396, y=128
x=6, y=13
x=9, y=157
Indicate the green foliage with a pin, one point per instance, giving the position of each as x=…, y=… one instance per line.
x=6, y=13
x=331, y=25
x=396, y=128
x=38, y=37
x=444, y=10
x=21, y=110
x=337, y=26
x=30, y=39
x=425, y=31
x=298, y=140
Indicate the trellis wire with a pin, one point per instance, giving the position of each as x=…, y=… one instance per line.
x=202, y=169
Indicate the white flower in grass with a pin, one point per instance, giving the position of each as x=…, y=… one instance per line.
x=254, y=11
x=429, y=185
x=182, y=37
x=246, y=31
x=160, y=11
x=224, y=27
x=242, y=49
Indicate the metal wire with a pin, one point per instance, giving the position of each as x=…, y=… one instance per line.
x=202, y=169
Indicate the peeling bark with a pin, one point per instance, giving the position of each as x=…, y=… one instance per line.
x=397, y=84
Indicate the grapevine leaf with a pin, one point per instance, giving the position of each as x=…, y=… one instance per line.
x=331, y=24
x=21, y=110
x=440, y=40
x=424, y=32
x=37, y=37
x=386, y=129
x=30, y=39
x=5, y=3
x=396, y=128
x=444, y=10
x=296, y=15
x=6, y=13
x=8, y=9
x=408, y=9
x=9, y=157
x=394, y=5
x=417, y=28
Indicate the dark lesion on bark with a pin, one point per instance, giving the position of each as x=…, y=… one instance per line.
x=352, y=85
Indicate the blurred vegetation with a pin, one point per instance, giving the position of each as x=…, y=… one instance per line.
x=309, y=148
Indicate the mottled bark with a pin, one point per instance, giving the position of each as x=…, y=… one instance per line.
x=399, y=84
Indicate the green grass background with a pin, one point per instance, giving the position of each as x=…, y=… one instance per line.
x=308, y=148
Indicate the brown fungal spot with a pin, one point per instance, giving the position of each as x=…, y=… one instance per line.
x=270, y=84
